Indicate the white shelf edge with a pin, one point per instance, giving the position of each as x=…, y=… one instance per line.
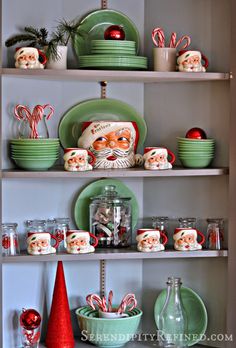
x=115, y=75
x=109, y=173
x=116, y=254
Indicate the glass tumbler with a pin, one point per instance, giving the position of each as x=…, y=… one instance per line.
x=187, y=222
x=36, y=226
x=10, y=242
x=161, y=223
x=215, y=234
x=61, y=226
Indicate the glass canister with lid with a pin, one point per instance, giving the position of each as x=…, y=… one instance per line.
x=111, y=218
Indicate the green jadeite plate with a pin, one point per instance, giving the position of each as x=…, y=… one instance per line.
x=94, y=110
x=195, y=310
x=81, y=210
x=93, y=26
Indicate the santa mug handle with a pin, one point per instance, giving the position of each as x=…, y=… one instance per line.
x=95, y=239
x=202, y=237
x=42, y=56
x=164, y=238
x=92, y=157
x=172, y=156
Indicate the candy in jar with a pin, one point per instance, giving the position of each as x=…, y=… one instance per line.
x=215, y=234
x=110, y=218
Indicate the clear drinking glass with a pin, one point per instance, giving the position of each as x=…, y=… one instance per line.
x=161, y=223
x=36, y=225
x=172, y=321
x=10, y=242
x=61, y=226
x=25, y=131
x=215, y=234
x=188, y=222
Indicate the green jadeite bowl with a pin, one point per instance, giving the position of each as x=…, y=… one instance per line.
x=201, y=162
x=104, y=333
x=39, y=164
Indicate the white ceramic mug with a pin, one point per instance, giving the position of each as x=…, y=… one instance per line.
x=39, y=243
x=29, y=58
x=164, y=59
x=78, y=242
x=191, y=61
x=78, y=160
x=156, y=158
x=111, y=315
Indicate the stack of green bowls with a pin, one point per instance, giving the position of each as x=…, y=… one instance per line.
x=108, y=332
x=113, y=54
x=196, y=153
x=35, y=154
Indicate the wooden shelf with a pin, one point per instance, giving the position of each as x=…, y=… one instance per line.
x=115, y=254
x=59, y=172
x=114, y=75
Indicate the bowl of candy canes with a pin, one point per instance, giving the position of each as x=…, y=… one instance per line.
x=108, y=325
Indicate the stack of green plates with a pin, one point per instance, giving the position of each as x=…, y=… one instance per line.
x=196, y=153
x=113, y=47
x=35, y=154
x=113, y=62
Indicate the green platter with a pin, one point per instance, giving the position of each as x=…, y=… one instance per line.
x=94, y=110
x=81, y=210
x=195, y=310
x=93, y=26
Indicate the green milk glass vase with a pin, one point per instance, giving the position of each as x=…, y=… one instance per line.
x=172, y=321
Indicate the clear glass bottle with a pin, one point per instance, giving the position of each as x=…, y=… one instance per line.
x=36, y=226
x=172, y=321
x=187, y=222
x=161, y=223
x=61, y=226
x=215, y=233
x=110, y=218
x=10, y=242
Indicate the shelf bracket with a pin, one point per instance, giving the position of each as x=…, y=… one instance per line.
x=102, y=277
x=103, y=4
x=103, y=85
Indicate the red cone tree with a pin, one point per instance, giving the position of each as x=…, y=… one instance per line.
x=59, y=332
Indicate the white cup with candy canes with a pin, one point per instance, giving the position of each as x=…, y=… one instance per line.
x=149, y=240
x=185, y=239
x=39, y=243
x=78, y=242
x=191, y=61
x=78, y=160
x=156, y=158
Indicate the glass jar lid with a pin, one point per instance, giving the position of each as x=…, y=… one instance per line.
x=110, y=195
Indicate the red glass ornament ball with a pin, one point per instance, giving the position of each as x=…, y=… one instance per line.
x=114, y=32
x=30, y=319
x=196, y=133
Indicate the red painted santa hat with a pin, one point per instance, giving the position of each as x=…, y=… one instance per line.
x=185, y=54
x=26, y=50
x=73, y=234
x=72, y=152
x=32, y=236
x=180, y=233
x=152, y=151
x=95, y=129
x=144, y=233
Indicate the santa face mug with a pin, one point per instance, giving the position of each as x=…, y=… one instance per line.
x=78, y=160
x=78, y=242
x=39, y=243
x=185, y=239
x=113, y=143
x=149, y=240
x=191, y=61
x=29, y=58
x=156, y=158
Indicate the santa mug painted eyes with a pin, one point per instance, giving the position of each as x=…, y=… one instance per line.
x=149, y=240
x=185, y=239
x=29, y=58
x=78, y=242
x=78, y=160
x=191, y=61
x=156, y=158
x=39, y=243
x=113, y=143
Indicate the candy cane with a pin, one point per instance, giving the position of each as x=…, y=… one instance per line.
x=48, y=106
x=161, y=37
x=173, y=40
x=110, y=297
x=188, y=42
x=95, y=298
x=128, y=300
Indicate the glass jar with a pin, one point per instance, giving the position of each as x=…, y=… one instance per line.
x=36, y=226
x=161, y=223
x=61, y=226
x=187, y=222
x=10, y=242
x=172, y=321
x=215, y=233
x=110, y=218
